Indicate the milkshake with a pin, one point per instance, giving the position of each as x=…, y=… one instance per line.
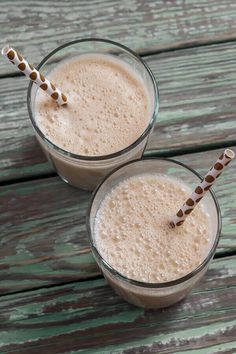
x=153, y=265
x=112, y=106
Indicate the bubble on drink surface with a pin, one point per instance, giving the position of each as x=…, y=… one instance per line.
x=147, y=245
x=97, y=100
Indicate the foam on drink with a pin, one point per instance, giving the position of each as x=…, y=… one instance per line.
x=132, y=231
x=108, y=108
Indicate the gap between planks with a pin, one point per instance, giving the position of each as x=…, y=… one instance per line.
x=147, y=153
x=95, y=277
x=143, y=53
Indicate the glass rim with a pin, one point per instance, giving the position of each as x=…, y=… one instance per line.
x=99, y=157
x=156, y=285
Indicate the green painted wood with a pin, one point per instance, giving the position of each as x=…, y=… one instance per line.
x=43, y=237
x=88, y=317
x=197, y=109
x=38, y=27
x=20, y=154
x=197, y=103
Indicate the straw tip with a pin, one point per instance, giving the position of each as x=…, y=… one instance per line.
x=5, y=49
x=229, y=153
x=172, y=224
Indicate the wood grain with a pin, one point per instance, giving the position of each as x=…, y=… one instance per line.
x=36, y=28
x=197, y=103
x=89, y=317
x=197, y=109
x=43, y=238
x=43, y=241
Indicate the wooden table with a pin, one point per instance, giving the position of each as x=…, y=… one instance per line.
x=53, y=297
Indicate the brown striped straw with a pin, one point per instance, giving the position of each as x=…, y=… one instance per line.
x=15, y=58
x=203, y=187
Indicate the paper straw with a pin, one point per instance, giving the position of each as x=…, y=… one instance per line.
x=15, y=58
x=203, y=187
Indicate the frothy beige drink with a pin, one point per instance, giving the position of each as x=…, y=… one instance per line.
x=133, y=235
x=109, y=108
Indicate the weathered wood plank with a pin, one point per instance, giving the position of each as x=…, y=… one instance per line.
x=43, y=238
x=197, y=103
x=89, y=317
x=20, y=154
x=38, y=27
x=197, y=108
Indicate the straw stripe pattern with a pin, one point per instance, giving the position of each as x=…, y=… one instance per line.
x=203, y=187
x=15, y=58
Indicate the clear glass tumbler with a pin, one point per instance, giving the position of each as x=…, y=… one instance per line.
x=153, y=295
x=86, y=172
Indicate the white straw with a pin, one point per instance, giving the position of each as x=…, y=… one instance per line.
x=203, y=187
x=15, y=58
